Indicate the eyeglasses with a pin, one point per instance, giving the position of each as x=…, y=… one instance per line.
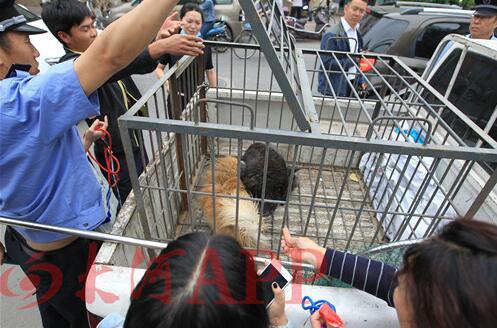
x=5, y=24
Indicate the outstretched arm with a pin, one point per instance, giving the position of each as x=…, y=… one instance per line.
x=146, y=62
x=373, y=277
x=120, y=43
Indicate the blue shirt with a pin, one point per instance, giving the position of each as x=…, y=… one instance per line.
x=208, y=9
x=45, y=176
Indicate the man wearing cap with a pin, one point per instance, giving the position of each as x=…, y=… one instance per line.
x=45, y=176
x=483, y=23
x=484, y=20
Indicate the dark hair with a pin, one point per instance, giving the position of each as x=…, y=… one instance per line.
x=198, y=281
x=277, y=178
x=62, y=15
x=190, y=6
x=451, y=278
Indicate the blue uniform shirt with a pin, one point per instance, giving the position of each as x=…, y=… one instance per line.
x=45, y=176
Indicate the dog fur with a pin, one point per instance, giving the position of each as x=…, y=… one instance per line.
x=277, y=175
x=225, y=208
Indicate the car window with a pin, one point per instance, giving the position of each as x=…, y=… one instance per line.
x=368, y=21
x=30, y=17
x=429, y=39
x=383, y=34
x=474, y=92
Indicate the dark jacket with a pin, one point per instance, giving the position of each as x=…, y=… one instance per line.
x=112, y=101
x=338, y=80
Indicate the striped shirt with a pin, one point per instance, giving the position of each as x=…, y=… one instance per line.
x=373, y=277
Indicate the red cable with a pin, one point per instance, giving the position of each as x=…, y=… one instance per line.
x=112, y=175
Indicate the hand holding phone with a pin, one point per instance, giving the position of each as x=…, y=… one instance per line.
x=276, y=311
x=272, y=272
x=272, y=280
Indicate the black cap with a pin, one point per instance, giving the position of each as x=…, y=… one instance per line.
x=485, y=8
x=12, y=20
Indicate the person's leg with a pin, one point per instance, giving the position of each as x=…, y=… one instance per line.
x=299, y=12
x=49, y=315
x=293, y=11
x=75, y=261
x=15, y=249
x=59, y=278
x=348, y=91
x=124, y=185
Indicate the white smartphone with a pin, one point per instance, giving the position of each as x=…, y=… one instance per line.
x=272, y=272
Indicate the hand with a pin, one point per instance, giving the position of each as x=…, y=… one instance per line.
x=2, y=253
x=94, y=132
x=276, y=311
x=364, y=86
x=302, y=249
x=318, y=322
x=170, y=26
x=177, y=45
x=159, y=71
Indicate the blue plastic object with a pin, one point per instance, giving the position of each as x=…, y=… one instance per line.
x=413, y=133
x=314, y=306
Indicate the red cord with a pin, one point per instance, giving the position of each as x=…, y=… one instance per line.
x=112, y=175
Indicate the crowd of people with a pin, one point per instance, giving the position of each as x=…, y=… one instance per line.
x=46, y=177
x=346, y=36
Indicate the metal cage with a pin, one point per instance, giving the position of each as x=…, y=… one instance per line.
x=375, y=169
x=372, y=168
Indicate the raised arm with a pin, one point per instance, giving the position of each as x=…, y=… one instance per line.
x=373, y=277
x=120, y=43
